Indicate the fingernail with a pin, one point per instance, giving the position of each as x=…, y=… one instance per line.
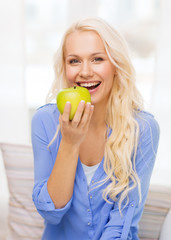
x=82, y=102
x=68, y=104
x=92, y=107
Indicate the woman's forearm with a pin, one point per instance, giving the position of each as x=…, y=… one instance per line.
x=61, y=181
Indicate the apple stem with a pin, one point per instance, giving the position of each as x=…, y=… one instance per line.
x=74, y=87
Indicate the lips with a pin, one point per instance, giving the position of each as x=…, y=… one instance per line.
x=89, y=85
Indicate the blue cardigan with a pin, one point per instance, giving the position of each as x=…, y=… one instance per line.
x=87, y=215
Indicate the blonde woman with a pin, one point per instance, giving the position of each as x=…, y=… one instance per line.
x=92, y=180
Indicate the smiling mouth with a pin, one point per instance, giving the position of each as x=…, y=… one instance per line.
x=89, y=85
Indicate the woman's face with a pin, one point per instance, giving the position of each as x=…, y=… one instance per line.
x=87, y=65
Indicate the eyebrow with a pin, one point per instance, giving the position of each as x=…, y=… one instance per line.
x=93, y=54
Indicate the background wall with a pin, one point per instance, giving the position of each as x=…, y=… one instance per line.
x=30, y=32
x=13, y=108
x=14, y=124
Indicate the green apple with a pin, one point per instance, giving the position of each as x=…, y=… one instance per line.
x=73, y=95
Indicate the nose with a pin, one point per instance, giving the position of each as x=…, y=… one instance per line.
x=86, y=70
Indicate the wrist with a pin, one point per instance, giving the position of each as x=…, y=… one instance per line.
x=70, y=146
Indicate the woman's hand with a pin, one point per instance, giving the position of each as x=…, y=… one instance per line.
x=73, y=132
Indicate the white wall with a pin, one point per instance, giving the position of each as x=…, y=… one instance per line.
x=80, y=9
x=161, y=97
x=13, y=110
x=13, y=121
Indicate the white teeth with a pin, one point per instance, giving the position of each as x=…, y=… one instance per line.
x=90, y=84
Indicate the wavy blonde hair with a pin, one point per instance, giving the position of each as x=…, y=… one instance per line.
x=123, y=103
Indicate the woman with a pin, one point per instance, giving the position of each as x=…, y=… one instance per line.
x=92, y=180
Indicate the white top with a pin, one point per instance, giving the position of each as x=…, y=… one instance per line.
x=89, y=171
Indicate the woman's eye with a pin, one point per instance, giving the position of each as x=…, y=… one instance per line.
x=73, y=61
x=98, y=59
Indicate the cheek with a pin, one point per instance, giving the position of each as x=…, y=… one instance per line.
x=106, y=72
x=70, y=74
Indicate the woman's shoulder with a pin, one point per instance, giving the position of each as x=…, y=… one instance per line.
x=46, y=113
x=45, y=120
x=49, y=109
x=148, y=125
x=146, y=118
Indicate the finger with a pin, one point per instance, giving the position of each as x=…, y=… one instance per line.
x=90, y=114
x=77, y=117
x=86, y=114
x=66, y=113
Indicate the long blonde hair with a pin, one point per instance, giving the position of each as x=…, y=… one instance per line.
x=123, y=103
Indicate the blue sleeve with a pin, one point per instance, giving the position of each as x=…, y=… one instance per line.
x=43, y=130
x=125, y=227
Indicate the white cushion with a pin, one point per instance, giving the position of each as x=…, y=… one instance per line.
x=156, y=209
x=23, y=221
x=166, y=228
